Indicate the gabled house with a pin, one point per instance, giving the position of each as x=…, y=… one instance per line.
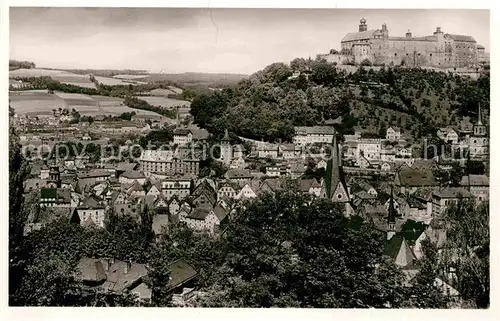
x=136, y=190
x=443, y=197
x=179, y=186
x=182, y=136
x=227, y=189
x=91, y=211
x=155, y=189
x=131, y=176
x=114, y=276
x=311, y=186
x=238, y=175
x=393, y=133
x=249, y=189
x=409, y=179
x=477, y=185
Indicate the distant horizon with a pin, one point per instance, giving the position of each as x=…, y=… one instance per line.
x=197, y=40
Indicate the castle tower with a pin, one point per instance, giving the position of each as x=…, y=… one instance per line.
x=385, y=31
x=391, y=218
x=408, y=34
x=362, y=25
x=54, y=180
x=226, y=152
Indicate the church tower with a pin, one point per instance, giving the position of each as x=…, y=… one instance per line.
x=362, y=25
x=334, y=186
x=54, y=180
x=478, y=142
x=226, y=152
x=391, y=218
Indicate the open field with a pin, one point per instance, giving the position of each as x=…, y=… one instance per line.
x=164, y=102
x=59, y=75
x=108, y=81
x=161, y=92
x=35, y=102
x=126, y=76
x=39, y=102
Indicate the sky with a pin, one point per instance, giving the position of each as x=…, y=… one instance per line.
x=210, y=40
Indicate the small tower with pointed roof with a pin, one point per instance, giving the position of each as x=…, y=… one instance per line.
x=391, y=217
x=226, y=151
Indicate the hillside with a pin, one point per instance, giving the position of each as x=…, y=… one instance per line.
x=269, y=103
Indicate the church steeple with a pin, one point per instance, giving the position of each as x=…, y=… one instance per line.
x=335, y=187
x=391, y=218
x=479, y=121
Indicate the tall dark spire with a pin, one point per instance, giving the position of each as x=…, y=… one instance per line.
x=479, y=121
x=334, y=175
x=391, y=217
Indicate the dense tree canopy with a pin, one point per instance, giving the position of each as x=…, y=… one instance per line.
x=267, y=104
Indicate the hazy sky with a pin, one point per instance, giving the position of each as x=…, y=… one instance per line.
x=215, y=40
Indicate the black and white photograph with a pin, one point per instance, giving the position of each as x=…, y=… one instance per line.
x=198, y=157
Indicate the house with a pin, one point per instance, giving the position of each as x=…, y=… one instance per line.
x=443, y=197
x=314, y=134
x=273, y=171
x=250, y=189
x=417, y=210
x=136, y=190
x=239, y=151
x=227, y=189
x=238, y=175
x=362, y=185
x=311, y=186
x=321, y=164
x=478, y=186
x=296, y=170
x=237, y=163
x=413, y=233
x=179, y=186
x=55, y=197
x=370, y=148
x=409, y=179
x=44, y=172
x=34, y=184
x=132, y=176
x=268, y=151
x=130, y=209
x=91, y=211
x=387, y=166
x=200, y=219
x=155, y=189
x=399, y=251
x=114, y=276
x=181, y=274
x=424, y=164
x=174, y=205
x=204, y=195
x=448, y=134
x=182, y=136
x=290, y=151
x=393, y=133
x=362, y=162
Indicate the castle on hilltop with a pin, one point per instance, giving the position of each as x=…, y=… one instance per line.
x=440, y=50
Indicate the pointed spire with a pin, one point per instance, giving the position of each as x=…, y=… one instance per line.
x=226, y=136
x=391, y=217
x=479, y=121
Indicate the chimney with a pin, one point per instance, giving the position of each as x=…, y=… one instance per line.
x=128, y=265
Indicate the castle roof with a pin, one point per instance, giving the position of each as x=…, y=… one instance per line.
x=462, y=38
x=362, y=35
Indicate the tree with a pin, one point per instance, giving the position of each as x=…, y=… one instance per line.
x=467, y=249
x=277, y=247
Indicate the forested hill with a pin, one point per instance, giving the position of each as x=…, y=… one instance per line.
x=268, y=104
